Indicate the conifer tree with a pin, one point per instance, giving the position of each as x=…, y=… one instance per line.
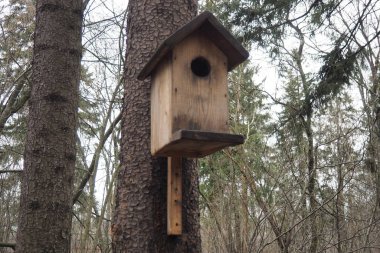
x=46, y=190
x=139, y=223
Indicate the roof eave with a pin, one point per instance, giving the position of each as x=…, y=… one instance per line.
x=236, y=53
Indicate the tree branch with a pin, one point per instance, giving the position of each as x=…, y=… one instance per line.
x=94, y=159
x=11, y=106
x=10, y=171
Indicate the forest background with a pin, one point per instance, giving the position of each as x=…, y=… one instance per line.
x=307, y=178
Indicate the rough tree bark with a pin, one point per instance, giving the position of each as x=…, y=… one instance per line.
x=49, y=159
x=139, y=223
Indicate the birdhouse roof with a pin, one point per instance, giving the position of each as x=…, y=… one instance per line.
x=215, y=32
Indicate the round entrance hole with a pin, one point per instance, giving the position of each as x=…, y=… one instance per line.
x=200, y=66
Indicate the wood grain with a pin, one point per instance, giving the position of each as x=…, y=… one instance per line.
x=174, y=201
x=183, y=100
x=161, y=111
x=190, y=143
x=199, y=103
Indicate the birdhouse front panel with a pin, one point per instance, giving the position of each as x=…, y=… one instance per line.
x=199, y=92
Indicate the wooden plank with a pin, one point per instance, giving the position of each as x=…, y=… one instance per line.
x=161, y=109
x=199, y=103
x=174, y=196
x=208, y=136
x=191, y=143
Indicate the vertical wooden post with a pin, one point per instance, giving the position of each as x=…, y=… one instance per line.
x=174, y=194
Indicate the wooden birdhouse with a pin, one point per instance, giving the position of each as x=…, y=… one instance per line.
x=189, y=98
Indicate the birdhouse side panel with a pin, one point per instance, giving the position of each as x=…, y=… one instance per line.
x=199, y=94
x=161, y=109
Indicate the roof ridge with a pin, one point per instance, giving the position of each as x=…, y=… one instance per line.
x=222, y=38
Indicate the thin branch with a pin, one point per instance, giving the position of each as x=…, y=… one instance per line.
x=93, y=162
x=10, y=171
x=11, y=105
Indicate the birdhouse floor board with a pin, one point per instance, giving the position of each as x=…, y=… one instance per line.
x=193, y=143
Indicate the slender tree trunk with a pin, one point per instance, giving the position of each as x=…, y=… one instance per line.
x=237, y=217
x=245, y=219
x=49, y=160
x=282, y=242
x=371, y=107
x=84, y=240
x=312, y=175
x=139, y=222
x=376, y=146
x=340, y=223
x=231, y=217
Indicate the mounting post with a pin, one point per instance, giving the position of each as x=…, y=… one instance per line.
x=174, y=196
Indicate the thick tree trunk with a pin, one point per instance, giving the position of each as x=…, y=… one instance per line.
x=139, y=223
x=49, y=160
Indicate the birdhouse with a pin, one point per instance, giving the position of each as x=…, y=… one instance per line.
x=189, y=97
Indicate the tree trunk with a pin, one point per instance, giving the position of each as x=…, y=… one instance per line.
x=376, y=141
x=340, y=223
x=311, y=169
x=339, y=219
x=49, y=159
x=312, y=175
x=87, y=215
x=139, y=223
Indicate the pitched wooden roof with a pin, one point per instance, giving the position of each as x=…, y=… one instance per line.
x=213, y=29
